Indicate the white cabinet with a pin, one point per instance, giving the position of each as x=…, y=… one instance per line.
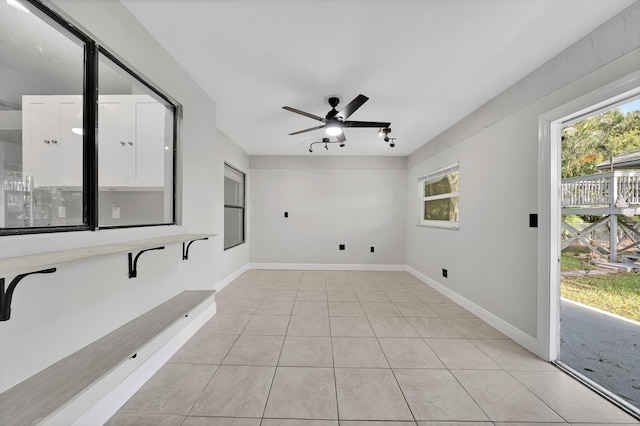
x=132, y=134
x=51, y=150
x=133, y=131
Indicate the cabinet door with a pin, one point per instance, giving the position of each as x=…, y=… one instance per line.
x=52, y=152
x=40, y=156
x=148, y=167
x=115, y=141
x=68, y=112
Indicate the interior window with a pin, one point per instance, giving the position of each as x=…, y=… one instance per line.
x=135, y=150
x=52, y=178
x=41, y=122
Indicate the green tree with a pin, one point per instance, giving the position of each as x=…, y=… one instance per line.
x=596, y=139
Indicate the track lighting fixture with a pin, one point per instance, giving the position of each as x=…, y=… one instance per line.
x=326, y=142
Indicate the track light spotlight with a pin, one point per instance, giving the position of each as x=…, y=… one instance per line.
x=310, y=148
x=326, y=146
x=386, y=138
x=341, y=145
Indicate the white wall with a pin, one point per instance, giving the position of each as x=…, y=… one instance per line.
x=54, y=315
x=356, y=201
x=493, y=259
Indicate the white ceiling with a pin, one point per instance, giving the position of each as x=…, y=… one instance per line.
x=424, y=64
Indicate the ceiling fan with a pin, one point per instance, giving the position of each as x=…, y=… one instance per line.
x=335, y=120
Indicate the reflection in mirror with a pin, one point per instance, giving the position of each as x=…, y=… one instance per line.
x=41, y=99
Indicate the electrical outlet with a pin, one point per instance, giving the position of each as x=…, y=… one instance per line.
x=341, y=247
x=373, y=249
x=533, y=220
x=115, y=212
x=445, y=272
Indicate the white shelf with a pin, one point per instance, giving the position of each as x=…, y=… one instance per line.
x=36, y=262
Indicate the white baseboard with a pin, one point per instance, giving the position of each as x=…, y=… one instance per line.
x=328, y=266
x=106, y=407
x=232, y=276
x=496, y=322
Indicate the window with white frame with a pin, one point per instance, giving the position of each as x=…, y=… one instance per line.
x=234, y=206
x=439, y=197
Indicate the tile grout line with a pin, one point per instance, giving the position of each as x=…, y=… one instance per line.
x=536, y=396
x=404, y=397
x=275, y=370
x=215, y=371
x=333, y=363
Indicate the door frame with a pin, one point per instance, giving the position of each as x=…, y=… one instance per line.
x=550, y=125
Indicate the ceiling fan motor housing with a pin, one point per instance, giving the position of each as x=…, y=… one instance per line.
x=333, y=102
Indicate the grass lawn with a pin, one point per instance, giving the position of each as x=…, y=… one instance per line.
x=618, y=293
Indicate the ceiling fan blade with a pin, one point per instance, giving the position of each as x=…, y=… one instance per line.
x=306, y=130
x=341, y=137
x=345, y=112
x=306, y=114
x=365, y=124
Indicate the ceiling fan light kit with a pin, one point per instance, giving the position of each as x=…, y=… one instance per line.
x=333, y=130
x=335, y=121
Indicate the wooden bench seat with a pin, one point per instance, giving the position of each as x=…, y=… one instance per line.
x=44, y=393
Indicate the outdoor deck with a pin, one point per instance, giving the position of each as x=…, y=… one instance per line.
x=614, y=195
x=616, y=192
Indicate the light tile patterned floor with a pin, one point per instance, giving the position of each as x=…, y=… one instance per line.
x=353, y=348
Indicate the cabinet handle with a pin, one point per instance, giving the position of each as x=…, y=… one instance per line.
x=122, y=143
x=47, y=141
x=54, y=141
x=130, y=143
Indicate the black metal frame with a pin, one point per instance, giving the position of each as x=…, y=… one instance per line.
x=6, y=296
x=243, y=207
x=90, y=125
x=133, y=262
x=185, y=249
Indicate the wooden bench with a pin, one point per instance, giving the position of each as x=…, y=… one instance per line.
x=41, y=395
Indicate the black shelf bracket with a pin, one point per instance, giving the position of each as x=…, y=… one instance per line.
x=6, y=296
x=133, y=262
x=185, y=250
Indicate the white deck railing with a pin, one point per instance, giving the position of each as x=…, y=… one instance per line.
x=601, y=190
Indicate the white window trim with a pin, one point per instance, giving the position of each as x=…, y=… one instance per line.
x=443, y=171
